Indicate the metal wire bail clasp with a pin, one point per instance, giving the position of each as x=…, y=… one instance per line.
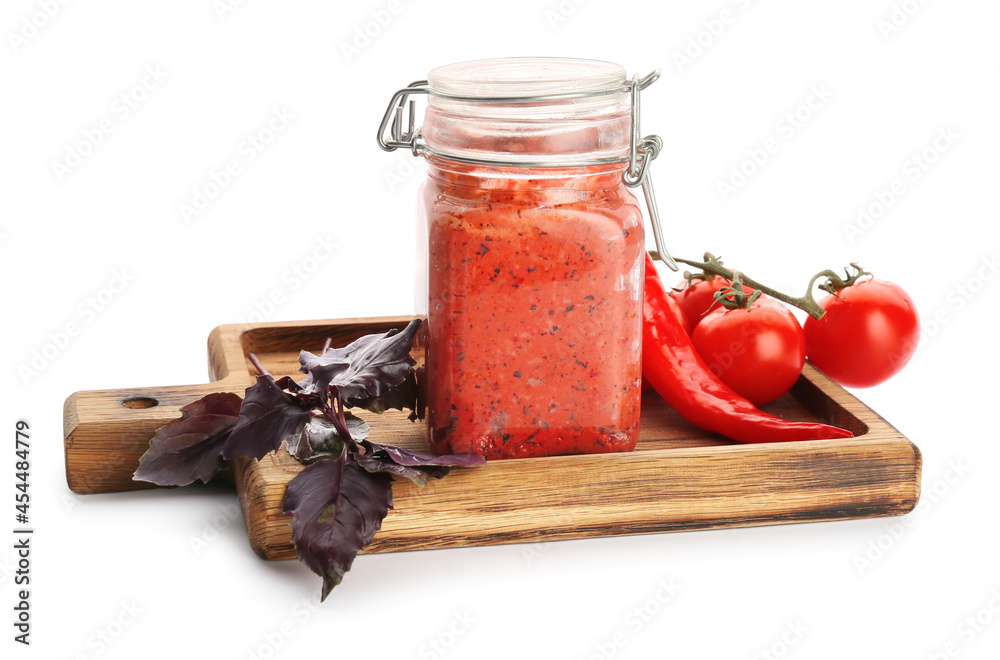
x=400, y=137
x=641, y=154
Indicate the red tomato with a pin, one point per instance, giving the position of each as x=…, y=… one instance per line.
x=869, y=332
x=759, y=352
x=698, y=299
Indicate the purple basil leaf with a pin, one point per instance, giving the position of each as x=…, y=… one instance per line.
x=400, y=397
x=321, y=369
x=268, y=416
x=418, y=458
x=418, y=475
x=286, y=383
x=414, y=465
x=336, y=509
x=190, y=448
x=320, y=438
x=364, y=369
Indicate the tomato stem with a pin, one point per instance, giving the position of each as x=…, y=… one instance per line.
x=734, y=297
x=689, y=277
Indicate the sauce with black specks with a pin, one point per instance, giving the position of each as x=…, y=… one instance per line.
x=534, y=311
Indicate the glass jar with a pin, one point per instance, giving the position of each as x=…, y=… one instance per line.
x=532, y=257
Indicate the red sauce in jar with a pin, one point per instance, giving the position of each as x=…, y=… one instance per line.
x=534, y=310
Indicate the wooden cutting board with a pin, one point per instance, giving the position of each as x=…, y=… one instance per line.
x=679, y=477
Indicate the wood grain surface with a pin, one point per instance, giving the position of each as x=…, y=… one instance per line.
x=679, y=477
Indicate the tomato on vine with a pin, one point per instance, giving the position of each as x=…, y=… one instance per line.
x=869, y=332
x=756, y=347
x=860, y=335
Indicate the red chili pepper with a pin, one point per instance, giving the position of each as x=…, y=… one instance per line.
x=681, y=377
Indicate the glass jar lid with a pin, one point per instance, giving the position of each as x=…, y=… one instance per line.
x=526, y=77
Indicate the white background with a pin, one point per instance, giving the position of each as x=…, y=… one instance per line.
x=799, y=591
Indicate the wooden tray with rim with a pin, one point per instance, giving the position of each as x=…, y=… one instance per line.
x=678, y=478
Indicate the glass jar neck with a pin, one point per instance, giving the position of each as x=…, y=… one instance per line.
x=457, y=173
x=566, y=139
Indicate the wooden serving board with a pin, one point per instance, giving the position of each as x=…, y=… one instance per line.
x=679, y=477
